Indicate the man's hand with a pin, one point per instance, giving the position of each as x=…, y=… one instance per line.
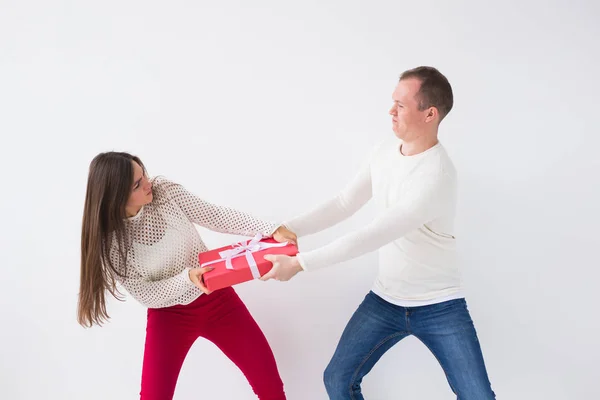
x=283, y=234
x=284, y=267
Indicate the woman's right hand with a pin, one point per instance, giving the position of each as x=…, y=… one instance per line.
x=198, y=280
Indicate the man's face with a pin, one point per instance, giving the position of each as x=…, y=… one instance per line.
x=407, y=120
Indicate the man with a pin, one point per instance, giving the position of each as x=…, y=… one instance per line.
x=418, y=290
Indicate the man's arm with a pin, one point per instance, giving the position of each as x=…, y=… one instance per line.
x=354, y=195
x=427, y=201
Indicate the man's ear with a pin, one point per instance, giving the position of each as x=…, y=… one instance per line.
x=432, y=114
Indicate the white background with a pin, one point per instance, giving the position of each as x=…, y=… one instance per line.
x=269, y=107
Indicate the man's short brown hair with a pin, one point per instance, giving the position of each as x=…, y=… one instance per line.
x=435, y=89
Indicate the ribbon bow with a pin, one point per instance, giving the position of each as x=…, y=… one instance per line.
x=245, y=249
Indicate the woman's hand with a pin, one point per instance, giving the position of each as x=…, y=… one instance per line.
x=198, y=280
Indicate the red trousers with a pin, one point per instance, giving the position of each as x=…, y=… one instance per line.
x=220, y=317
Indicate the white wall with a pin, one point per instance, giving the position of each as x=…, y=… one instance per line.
x=270, y=108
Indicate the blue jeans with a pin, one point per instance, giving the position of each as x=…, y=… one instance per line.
x=445, y=328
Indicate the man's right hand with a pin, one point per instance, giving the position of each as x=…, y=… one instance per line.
x=283, y=234
x=198, y=280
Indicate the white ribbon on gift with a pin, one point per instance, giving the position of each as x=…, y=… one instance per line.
x=245, y=249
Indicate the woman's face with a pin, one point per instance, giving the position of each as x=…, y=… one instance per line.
x=141, y=190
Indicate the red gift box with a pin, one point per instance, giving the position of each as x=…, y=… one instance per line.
x=241, y=262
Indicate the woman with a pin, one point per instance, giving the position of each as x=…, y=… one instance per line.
x=141, y=233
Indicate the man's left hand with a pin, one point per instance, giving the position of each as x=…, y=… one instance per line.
x=284, y=267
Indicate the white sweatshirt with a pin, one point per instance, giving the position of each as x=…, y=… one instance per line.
x=415, y=197
x=164, y=243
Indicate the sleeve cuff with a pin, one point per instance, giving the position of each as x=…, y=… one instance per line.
x=271, y=232
x=290, y=226
x=301, y=261
x=186, y=277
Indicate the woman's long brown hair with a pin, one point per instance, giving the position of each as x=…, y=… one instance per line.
x=109, y=184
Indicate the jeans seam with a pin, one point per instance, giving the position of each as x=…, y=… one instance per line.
x=441, y=365
x=378, y=345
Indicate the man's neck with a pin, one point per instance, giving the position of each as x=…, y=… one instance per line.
x=419, y=145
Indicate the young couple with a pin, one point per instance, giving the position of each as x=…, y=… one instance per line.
x=140, y=232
